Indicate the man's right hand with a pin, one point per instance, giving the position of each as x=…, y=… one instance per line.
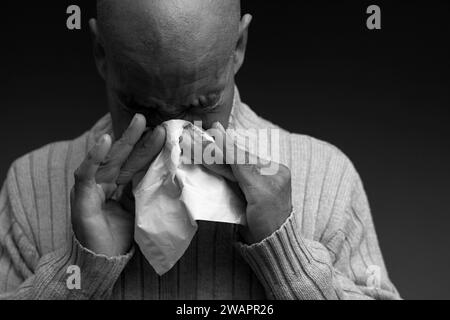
x=100, y=223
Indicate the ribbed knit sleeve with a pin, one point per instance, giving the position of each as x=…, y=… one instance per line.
x=348, y=265
x=24, y=274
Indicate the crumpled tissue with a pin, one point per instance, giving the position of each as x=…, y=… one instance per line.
x=173, y=196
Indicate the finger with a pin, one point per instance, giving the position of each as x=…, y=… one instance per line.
x=211, y=155
x=87, y=170
x=218, y=167
x=245, y=166
x=225, y=144
x=222, y=170
x=120, y=151
x=142, y=155
x=232, y=153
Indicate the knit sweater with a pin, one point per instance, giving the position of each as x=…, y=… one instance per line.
x=327, y=248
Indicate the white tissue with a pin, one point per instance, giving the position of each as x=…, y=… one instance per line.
x=173, y=196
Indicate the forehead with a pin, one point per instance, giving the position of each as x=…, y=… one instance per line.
x=176, y=50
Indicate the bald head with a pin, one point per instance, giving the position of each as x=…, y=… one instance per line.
x=170, y=55
x=176, y=34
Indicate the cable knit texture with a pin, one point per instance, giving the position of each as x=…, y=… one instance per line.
x=327, y=249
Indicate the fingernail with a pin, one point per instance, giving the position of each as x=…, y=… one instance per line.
x=160, y=130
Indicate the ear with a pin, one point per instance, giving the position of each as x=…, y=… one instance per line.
x=98, y=48
x=241, y=47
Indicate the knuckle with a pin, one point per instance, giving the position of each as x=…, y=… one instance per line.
x=147, y=142
x=126, y=141
x=282, y=180
x=90, y=156
x=140, y=154
x=108, y=164
x=124, y=176
x=107, y=161
x=126, y=172
x=284, y=173
x=254, y=169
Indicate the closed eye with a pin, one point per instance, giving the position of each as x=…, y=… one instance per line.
x=156, y=116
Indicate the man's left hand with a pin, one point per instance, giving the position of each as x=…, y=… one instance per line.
x=268, y=197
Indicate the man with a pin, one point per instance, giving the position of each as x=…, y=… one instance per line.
x=310, y=233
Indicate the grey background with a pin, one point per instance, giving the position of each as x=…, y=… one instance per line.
x=382, y=97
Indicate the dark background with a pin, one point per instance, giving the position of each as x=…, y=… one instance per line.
x=312, y=67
